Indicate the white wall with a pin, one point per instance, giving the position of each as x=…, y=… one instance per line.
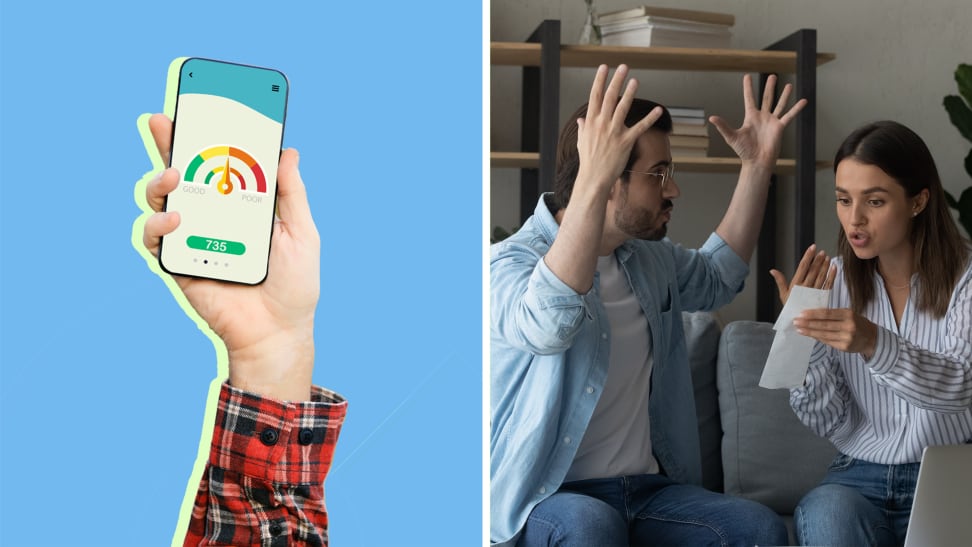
x=895, y=60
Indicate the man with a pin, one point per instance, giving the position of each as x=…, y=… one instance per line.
x=275, y=433
x=594, y=438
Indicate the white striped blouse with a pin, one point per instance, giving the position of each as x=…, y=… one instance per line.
x=916, y=390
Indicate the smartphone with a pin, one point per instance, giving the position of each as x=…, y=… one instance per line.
x=226, y=139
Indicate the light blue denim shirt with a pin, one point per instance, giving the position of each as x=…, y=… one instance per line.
x=549, y=359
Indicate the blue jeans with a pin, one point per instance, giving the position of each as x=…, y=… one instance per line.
x=648, y=510
x=858, y=503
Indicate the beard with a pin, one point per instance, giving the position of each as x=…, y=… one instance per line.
x=641, y=223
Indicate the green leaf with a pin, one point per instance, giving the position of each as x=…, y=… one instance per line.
x=963, y=76
x=964, y=208
x=965, y=201
x=950, y=200
x=959, y=114
x=961, y=117
x=966, y=223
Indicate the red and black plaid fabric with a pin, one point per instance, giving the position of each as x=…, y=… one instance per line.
x=264, y=482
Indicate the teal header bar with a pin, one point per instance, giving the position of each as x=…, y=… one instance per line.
x=249, y=85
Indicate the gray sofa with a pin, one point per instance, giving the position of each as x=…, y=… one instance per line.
x=752, y=444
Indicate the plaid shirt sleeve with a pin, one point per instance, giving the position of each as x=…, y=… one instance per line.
x=264, y=481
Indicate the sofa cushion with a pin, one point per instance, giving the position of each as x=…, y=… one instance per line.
x=768, y=455
x=702, y=339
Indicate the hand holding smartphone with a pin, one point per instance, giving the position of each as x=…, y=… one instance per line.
x=226, y=141
x=267, y=329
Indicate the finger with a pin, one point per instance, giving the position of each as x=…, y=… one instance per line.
x=831, y=276
x=580, y=131
x=794, y=110
x=161, y=128
x=597, y=92
x=649, y=120
x=836, y=340
x=292, y=195
x=160, y=187
x=826, y=314
x=769, y=90
x=784, y=99
x=156, y=226
x=727, y=132
x=781, y=285
x=614, y=89
x=819, y=327
x=748, y=101
x=624, y=105
x=820, y=269
x=804, y=266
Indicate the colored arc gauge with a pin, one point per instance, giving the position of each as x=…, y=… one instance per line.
x=227, y=168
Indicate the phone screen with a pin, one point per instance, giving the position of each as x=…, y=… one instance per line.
x=226, y=141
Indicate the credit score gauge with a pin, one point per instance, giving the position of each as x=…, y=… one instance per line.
x=226, y=168
x=227, y=133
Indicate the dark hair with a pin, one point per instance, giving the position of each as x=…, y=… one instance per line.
x=568, y=161
x=940, y=251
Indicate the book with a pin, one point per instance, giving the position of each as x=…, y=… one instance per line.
x=714, y=18
x=690, y=129
x=680, y=152
x=688, y=141
x=662, y=23
x=692, y=112
x=653, y=36
x=688, y=121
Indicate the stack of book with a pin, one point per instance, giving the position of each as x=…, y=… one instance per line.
x=648, y=26
x=690, y=136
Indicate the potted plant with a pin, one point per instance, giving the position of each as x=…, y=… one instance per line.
x=960, y=113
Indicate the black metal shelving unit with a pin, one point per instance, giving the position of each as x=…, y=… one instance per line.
x=542, y=55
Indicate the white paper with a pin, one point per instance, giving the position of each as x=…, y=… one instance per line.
x=789, y=356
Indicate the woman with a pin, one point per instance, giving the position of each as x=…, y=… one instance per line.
x=891, y=371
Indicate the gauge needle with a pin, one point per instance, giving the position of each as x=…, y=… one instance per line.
x=226, y=174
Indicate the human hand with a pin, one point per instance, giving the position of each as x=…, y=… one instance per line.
x=268, y=329
x=604, y=142
x=840, y=329
x=812, y=271
x=758, y=139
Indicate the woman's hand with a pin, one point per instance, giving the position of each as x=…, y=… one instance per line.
x=813, y=272
x=839, y=328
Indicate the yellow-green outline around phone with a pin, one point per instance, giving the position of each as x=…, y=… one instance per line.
x=222, y=361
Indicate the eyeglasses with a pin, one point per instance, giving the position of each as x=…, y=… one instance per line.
x=665, y=176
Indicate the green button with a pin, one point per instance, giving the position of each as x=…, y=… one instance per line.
x=216, y=245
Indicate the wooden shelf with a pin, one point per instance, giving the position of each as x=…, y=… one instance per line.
x=654, y=58
x=518, y=160
x=528, y=160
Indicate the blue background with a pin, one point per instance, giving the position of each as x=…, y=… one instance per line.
x=104, y=378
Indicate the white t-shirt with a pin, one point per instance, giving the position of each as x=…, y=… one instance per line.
x=618, y=439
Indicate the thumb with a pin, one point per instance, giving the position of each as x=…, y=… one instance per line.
x=292, y=206
x=781, y=286
x=722, y=127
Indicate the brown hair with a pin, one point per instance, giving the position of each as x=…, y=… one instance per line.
x=900, y=152
x=568, y=160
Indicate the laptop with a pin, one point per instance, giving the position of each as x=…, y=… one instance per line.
x=942, y=509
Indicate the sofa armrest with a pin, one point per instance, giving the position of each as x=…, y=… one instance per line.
x=768, y=455
x=702, y=341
